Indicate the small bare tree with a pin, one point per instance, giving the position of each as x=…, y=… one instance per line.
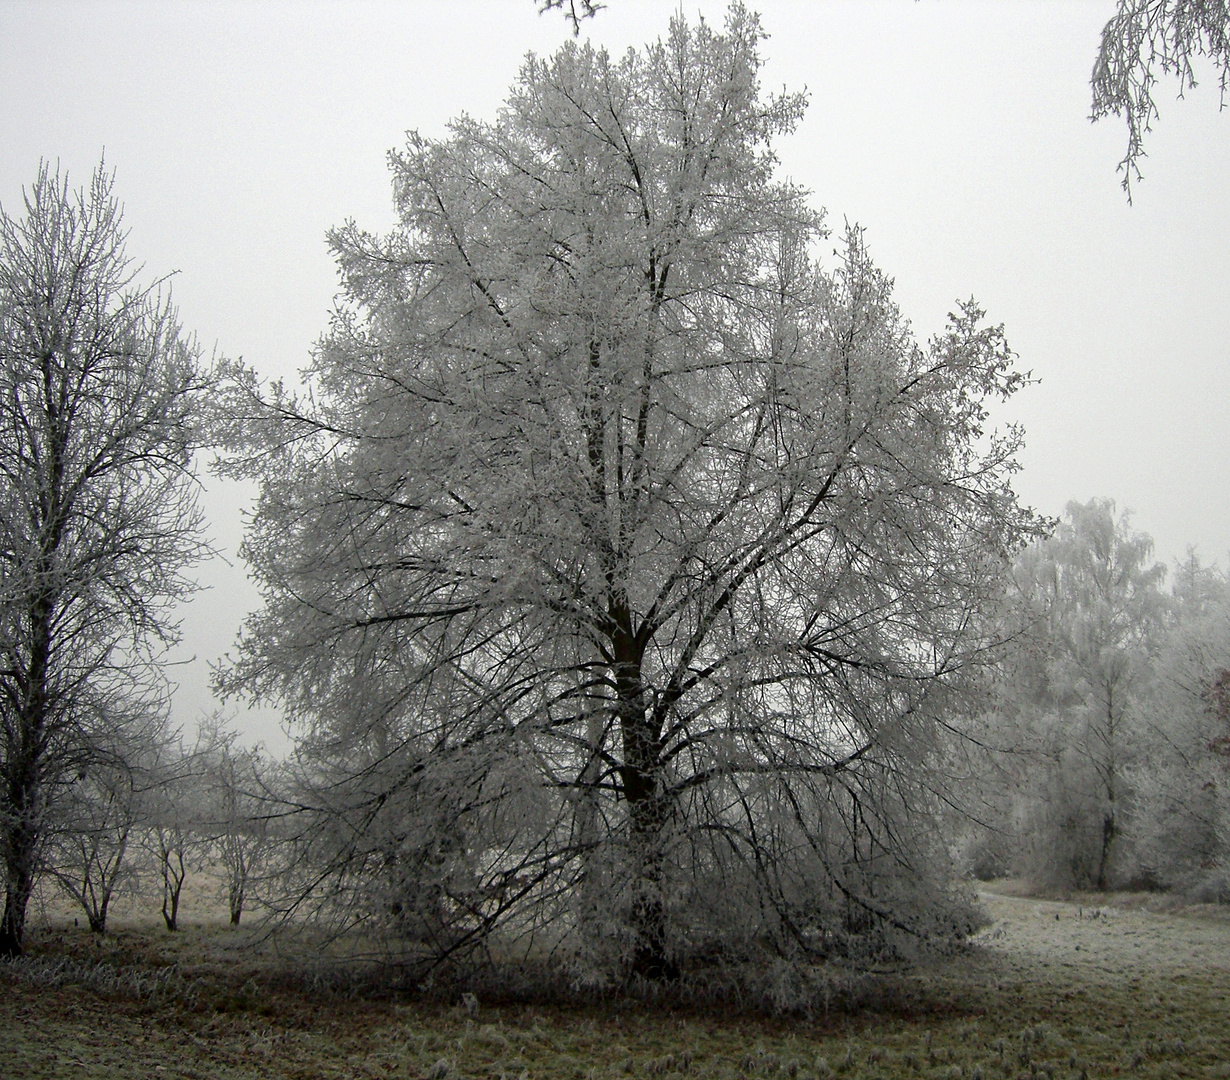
x=175, y=832
x=89, y=855
x=100, y=817
x=99, y=419
x=172, y=843
x=237, y=807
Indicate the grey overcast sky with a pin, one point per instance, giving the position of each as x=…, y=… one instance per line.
x=955, y=132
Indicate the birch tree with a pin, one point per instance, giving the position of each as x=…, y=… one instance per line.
x=623, y=565
x=1148, y=38
x=1092, y=604
x=99, y=396
x=1183, y=784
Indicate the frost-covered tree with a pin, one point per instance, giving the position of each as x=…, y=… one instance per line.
x=239, y=803
x=623, y=567
x=1089, y=606
x=98, y=515
x=89, y=852
x=1147, y=37
x=1183, y=783
x=94, y=834
x=174, y=820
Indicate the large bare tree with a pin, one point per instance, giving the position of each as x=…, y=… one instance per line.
x=98, y=515
x=623, y=566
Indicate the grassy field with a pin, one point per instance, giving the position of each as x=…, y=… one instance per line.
x=1049, y=989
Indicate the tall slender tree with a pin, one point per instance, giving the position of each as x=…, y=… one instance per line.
x=1181, y=779
x=99, y=395
x=624, y=566
x=1091, y=606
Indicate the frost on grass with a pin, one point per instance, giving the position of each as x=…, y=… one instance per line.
x=1103, y=941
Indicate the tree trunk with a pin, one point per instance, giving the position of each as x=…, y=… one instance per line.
x=98, y=916
x=170, y=908
x=12, y=925
x=21, y=805
x=21, y=829
x=173, y=874
x=650, y=958
x=238, y=883
x=235, y=899
x=647, y=816
x=1110, y=827
x=1109, y=832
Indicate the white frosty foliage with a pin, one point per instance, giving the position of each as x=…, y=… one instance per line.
x=623, y=569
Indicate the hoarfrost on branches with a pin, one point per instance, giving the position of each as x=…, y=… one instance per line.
x=1142, y=38
x=99, y=418
x=623, y=566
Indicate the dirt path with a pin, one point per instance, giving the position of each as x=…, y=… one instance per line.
x=1096, y=944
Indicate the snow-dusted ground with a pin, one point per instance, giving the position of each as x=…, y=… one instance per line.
x=1097, y=943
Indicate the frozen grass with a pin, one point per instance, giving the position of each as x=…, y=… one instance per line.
x=1125, y=992
x=1106, y=938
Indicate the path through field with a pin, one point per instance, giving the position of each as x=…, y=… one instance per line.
x=1100, y=942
